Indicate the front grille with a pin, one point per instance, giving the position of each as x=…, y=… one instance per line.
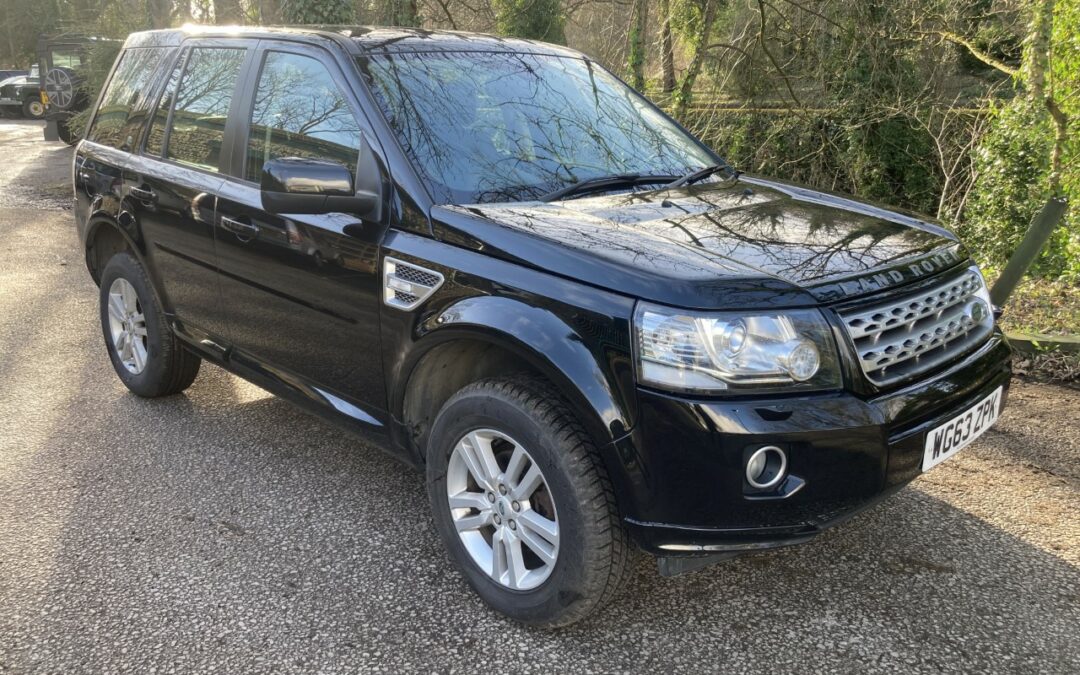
x=903, y=337
x=7, y=91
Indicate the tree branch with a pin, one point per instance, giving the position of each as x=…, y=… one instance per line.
x=974, y=50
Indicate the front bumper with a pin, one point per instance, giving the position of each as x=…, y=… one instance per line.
x=682, y=487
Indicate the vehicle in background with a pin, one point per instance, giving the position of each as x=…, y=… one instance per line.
x=20, y=95
x=63, y=59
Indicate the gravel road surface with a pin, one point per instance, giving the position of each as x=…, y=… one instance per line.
x=224, y=531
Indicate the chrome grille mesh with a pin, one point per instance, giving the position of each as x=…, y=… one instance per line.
x=405, y=285
x=899, y=338
x=417, y=275
x=405, y=298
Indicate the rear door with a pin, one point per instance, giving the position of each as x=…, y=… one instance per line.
x=302, y=291
x=172, y=186
x=102, y=157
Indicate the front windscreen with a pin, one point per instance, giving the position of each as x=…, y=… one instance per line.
x=491, y=126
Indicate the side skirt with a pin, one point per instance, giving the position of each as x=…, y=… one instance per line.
x=364, y=423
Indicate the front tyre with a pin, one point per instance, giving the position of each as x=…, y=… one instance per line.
x=523, y=503
x=147, y=356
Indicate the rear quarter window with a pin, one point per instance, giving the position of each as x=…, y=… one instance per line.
x=124, y=103
x=155, y=138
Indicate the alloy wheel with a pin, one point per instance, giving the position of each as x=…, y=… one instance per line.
x=127, y=325
x=502, y=509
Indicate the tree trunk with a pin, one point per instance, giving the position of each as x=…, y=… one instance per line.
x=269, y=12
x=404, y=13
x=9, y=30
x=228, y=12
x=686, y=87
x=160, y=13
x=1036, y=67
x=635, y=59
x=667, y=49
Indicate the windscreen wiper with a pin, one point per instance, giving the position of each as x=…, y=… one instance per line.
x=701, y=174
x=603, y=182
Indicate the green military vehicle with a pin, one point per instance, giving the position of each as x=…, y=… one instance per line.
x=63, y=62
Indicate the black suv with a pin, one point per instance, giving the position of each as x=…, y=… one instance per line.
x=497, y=261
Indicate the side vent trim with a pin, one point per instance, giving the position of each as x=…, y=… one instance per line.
x=406, y=285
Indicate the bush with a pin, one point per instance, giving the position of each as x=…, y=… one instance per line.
x=1012, y=167
x=887, y=161
x=94, y=71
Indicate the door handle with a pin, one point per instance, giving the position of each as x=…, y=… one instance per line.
x=143, y=194
x=244, y=231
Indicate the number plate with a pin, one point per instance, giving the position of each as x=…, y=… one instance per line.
x=953, y=436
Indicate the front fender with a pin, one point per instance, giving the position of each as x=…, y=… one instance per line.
x=575, y=335
x=552, y=346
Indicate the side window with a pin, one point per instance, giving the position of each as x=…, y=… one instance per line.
x=202, y=106
x=65, y=57
x=155, y=138
x=299, y=112
x=123, y=105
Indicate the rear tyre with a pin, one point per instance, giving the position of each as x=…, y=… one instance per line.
x=523, y=503
x=33, y=109
x=64, y=131
x=149, y=359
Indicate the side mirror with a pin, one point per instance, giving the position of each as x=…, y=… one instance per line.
x=299, y=185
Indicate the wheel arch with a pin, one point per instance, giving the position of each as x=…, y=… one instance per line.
x=486, y=336
x=106, y=236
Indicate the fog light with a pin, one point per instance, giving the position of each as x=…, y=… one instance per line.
x=766, y=467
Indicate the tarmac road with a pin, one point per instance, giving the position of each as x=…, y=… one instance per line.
x=224, y=531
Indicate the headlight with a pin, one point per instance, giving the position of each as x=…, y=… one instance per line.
x=734, y=351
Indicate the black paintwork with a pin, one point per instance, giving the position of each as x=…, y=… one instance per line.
x=294, y=302
x=712, y=246
x=299, y=185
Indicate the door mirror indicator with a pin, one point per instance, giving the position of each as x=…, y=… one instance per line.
x=299, y=185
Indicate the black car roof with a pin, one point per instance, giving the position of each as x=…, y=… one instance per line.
x=357, y=39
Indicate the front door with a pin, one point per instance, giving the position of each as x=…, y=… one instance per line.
x=301, y=291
